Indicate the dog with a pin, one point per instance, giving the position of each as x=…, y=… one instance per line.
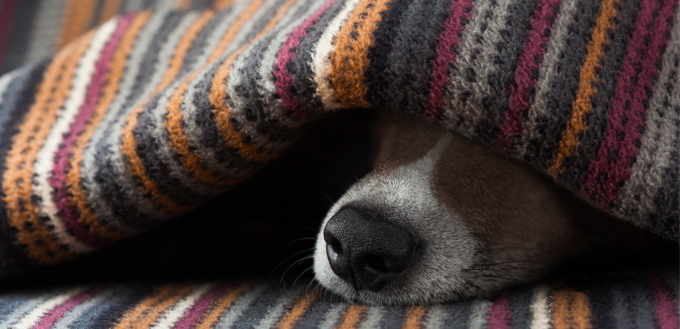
x=441, y=218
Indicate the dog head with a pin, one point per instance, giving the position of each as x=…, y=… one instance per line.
x=441, y=218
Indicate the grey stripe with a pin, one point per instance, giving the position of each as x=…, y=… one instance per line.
x=656, y=147
x=333, y=316
x=276, y=311
x=79, y=311
x=435, y=316
x=552, y=100
x=240, y=305
x=373, y=317
x=408, y=66
x=135, y=64
x=484, y=70
x=201, y=123
x=134, y=4
x=30, y=303
x=252, y=90
x=175, y=179
x=46, y=30
x=137, y=202
x=479, y=314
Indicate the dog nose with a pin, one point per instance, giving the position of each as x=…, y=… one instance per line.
x=366, y=251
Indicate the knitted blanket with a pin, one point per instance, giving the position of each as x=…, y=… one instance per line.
x=153, y=112
x=630, y=300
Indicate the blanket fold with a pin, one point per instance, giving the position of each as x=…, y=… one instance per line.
x=153, y=112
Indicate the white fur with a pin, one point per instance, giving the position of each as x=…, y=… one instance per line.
x=405, y=195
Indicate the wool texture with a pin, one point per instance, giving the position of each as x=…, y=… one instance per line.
x=142, y=116
x=624, y=300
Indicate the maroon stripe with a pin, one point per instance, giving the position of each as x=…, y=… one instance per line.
x=7, y=8
x=194, y=314
x=61, y=159
x=284, y=81
x=525, y=75
x=611, y=166
x=49, y=319
x=460, y=14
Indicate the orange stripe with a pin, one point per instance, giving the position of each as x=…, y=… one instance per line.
x=221, y=306
x=148, y=310
x=352, y=316
x=586, y=90
x=116, y=71
x=581, y=311
x=570, y=310
x=218, y=95
x=222, y=4
x=183, y=4
x=349, y=60
x=17, y=181
x=129, y=146
x=76, y=21
x=414, y=318
x=292, y=317
x=175, y=118
x=110, y=9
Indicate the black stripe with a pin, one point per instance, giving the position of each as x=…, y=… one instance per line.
x=614, y=53
x=21, y=95
x=300, y=69
x=561, y=96
x=378, y=53
x=504, y=61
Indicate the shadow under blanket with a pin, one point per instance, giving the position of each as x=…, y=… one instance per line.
x=163, y=106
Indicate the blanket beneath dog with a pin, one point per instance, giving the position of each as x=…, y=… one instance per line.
x=153, y=112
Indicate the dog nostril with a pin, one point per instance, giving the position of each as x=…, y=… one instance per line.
x=376, y=263
x=333, y=252
x=367, y=252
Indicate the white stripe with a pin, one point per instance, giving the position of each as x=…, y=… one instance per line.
x=37, y=313
x=435, y=316
x=373, y=317
x=5, y=81
x=239, y=306
x=67, y=114
x=540, y=308
x=478, y=316
x=120, y=173
x=333, y=316
x=176, y=311
x=78, y=311
x=321, y=55
x=88, y=171
x=165, y=152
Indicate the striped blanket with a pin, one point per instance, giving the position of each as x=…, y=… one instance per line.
x=112, y=124
x=630, y=300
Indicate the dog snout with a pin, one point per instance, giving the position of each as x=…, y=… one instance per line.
x=365, y=251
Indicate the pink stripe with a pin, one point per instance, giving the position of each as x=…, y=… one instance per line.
x=61, y=165
x=611, y=166
x=7, y=8
x=528, y=64
x=49, y=319
x=499, y=313
x=460, y=13
x=196, y=312
x=284, y=81
x=665, y=306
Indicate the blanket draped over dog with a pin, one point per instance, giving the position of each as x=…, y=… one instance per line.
x=146, y=116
